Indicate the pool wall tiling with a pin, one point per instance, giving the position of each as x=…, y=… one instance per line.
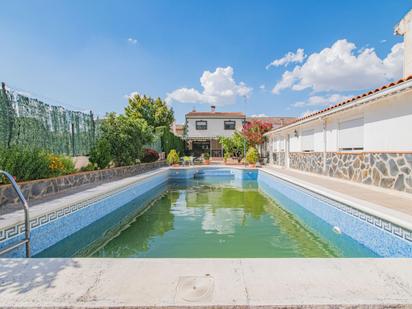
x=58, y=224
x=201, y=172
x=382, y=237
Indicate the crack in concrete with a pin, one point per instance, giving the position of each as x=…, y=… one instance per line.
x=244, y=282
x=87, y=295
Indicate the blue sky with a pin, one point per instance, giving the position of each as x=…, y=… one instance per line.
x=91, y=54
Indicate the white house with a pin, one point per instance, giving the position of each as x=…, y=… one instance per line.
x=204, y=128
x=365, y=139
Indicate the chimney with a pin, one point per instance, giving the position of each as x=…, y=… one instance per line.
x=213, y=108
x=405, y=28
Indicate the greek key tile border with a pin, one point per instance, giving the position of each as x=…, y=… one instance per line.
x=377, y=222
x=15, y=230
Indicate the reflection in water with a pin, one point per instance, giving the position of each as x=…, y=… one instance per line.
x=201, y=219
x=136, y=236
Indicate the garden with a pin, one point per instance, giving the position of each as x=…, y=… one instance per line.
x=120, y=140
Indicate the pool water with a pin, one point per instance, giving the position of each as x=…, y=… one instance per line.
x=215, y=218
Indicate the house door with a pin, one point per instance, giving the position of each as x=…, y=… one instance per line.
x=200, y=147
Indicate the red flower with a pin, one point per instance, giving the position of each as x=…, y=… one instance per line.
x=253, y=131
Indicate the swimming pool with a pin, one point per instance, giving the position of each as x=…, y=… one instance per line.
x=215, y=213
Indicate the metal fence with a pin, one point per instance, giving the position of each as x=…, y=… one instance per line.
x=30, y=122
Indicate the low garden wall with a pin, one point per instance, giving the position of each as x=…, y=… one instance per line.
x=387, y=170
x=41, y=188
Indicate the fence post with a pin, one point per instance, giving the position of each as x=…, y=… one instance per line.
x=10, y=115
x=93, y=127
x=73, y=139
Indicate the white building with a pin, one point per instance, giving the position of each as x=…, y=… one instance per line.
x=365, y=139
x=204, y=128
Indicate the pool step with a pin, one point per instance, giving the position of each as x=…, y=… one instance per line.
x=214, y=173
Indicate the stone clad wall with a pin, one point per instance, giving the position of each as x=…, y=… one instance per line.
x=387, y=170
x=37, y=189
x=307, y=161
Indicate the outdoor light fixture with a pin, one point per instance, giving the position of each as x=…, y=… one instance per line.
x=296, y=133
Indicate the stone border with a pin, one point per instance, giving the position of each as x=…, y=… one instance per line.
x=390, y=170
x=37, y=189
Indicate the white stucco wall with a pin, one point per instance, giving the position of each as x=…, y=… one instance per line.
x=387, y=126
x=405, y=28
x=215, y=127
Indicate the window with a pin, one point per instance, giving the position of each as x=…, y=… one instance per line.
x=281, y=143
x=230, y=125
x=201, y=125
x=274, y=144
x=351, y=135
x=308, y=137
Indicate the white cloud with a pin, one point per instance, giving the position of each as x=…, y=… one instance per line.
x=219, y=88
x=383, y=41
x=322, y=100
x=342, y=68
x=132, y=41
x=131, y=95
x=258, y=115
x=290, y=57
x=262, y=87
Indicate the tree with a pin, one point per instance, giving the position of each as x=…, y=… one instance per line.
x=125, y=137
x=155, y=112
x=253, y=131
x=234, y=145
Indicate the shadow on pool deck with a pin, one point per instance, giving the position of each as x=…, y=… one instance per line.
x=19, y=276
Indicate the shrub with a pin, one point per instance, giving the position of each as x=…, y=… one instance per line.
x=149, y=155
x=170, y=141
x=25, y=163
x=89, y=167
x=206, y=156
x=234, y=145
x=252, y=155
x=172, y=157
x=125, y=137
x=60, y=165
x=100, y=155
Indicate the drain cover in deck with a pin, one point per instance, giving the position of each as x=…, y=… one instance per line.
x=195, y=288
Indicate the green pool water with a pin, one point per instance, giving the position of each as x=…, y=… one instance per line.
x=212, y=219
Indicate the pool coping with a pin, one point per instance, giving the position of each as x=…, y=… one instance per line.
x=223, y=283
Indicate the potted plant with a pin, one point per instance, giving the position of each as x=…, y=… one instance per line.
x=173, y=158
x=226, y=156
x=206, y=158
x=252, y=156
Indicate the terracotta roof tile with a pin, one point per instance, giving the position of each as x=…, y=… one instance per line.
x=216, y=114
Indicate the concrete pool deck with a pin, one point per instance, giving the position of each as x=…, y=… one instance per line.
x=205, y=283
